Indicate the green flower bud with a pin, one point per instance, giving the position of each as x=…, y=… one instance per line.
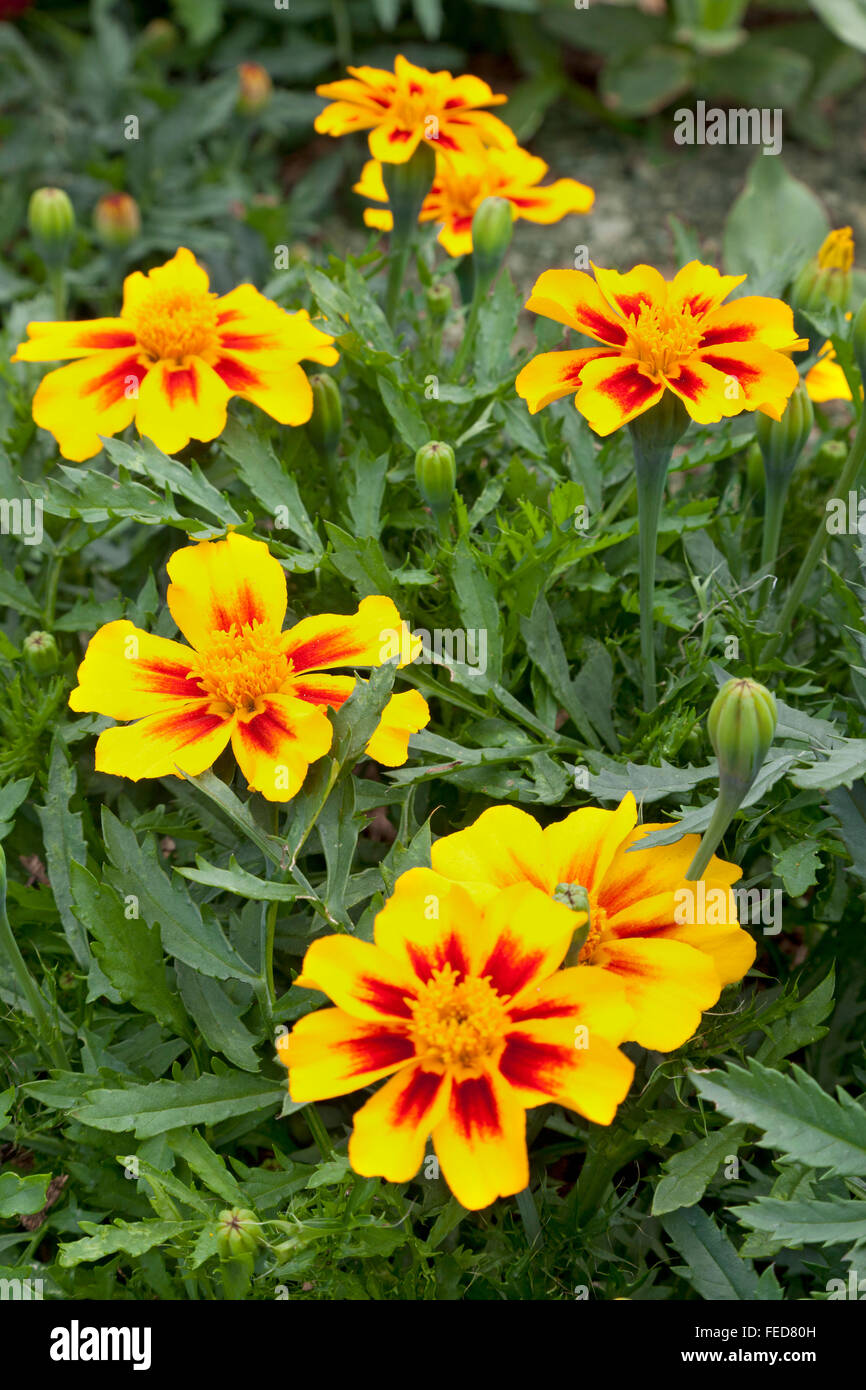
x=116, y=219
x=325, y=425
x=741, y=725
x=407, y=185
x=436, y=475
x=826, y=278
x=829, y=460
x=254, y=88
x=51, y=219
x=782, y=441
x=40, y=653
x=492, y=228
x=858, y=339
x=439, y=300
x=159, y=37
x=238, y=1232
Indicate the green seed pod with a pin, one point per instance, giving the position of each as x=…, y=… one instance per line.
x=238, y=1233
x=40, y=653
x=741, y=725
x=326, y=422
x=782, y=441
x=51, y=219
x=436, y=475
x=439, y=300
x=492, y=228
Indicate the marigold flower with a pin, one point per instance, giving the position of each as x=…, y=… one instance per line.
x=410, y=104
x=826, y=381
x=657, y=335
x=241, y=678
x=463, y=1005
x=640, y=929
x=462, y=183
x=172, y=361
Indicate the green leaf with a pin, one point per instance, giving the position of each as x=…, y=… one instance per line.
x=773, y=227
x=63, y=837
x=404, y=410
x=846, y=18
x=22, y=1196
x=186, y=934
x=796, y=1115
x=544, y=645
x=714, y=1268
x=162, y=1105
x=806, y=1222
x=133, y=1238
x=217, y=1018
x=687, y=1174
x=478, y=606
x=129, y=952
x=798, y=866
x=207, y=1165
x=234, y=879
x=11, y=797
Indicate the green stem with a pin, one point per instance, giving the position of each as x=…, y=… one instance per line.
x=396, y=272
x=342, y=31
x=529, y=1217
x=723, y=813
x=846, y=481
x=651, y=467
x=775, y=496
x=57, y=281
x=47, y=1029
x=478, y=295
x=318, y=1131
x=612, y=1149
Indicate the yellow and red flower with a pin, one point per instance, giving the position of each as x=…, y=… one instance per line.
x=640, y=932
x=462, y=1005
x=172, y=361
x=825, y=380
x=463, y=181
x=410, y=104
x=656, y=335
x=241, y=679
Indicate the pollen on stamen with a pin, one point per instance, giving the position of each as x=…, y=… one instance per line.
x=239, y=666
x=458, y=1023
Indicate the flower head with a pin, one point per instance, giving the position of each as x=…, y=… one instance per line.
x=410, y=104
x=825, y=379
x=462, y=1004
x=172, y=361
x=672, y=946
x=462, y=183
x=116, y=219
x=241, y=679
x=837, y=250
x=657, y=335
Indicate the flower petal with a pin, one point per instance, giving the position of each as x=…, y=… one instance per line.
x=572, y=297
x=701, y=288
x=667, y=983
x=406, y=713
x=188, y=736
x=52, y=342
x=370, y=637
x=710, y=926
x=329, y=1053
x=634, y=876
x=529, y=937
x=429, y=923
x=629, y=293
x=581, y=848
x=503, y=846
x=552, y=375
x=182, y=272
x=219, y=584
x=270, y=381
x=707, y=394
x=390, y=1133
x=360, y=978
x=180, y=403
x=94, y=396
x=127, y=673
x=614, y=392
x=275, y=746
x=752, y=319
x=481, y=1142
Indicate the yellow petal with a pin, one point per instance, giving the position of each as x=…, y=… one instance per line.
x=329, y=1053
x=572, y=297
x=94, y=396
x=360, y=978
x=667, y=983
x=52, y=342
x=429, y=923
x=481, y=1142
x=370, y=637
x=391, y=1130
x=552, y=375
x=127, y=673
x=186, y=737
x=180, y=403
x=581, y=848
x=404, y=714
x=503, y=846
x=218, y=584
x=275, y=746
x=615, y=391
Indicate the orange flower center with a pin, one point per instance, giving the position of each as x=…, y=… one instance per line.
x=171, y=324
x=458, y=1024
x=663, y=335
x=409, y=109
x=239, y=666
x=597, y=930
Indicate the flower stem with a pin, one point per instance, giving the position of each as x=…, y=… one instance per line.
x=57, y=280
x=396, y=273
x=318, y=1131
x=723, y=814
x=47, y=1029
x=651, y=469
x=847, y=479
x=774, y=509
x=469, y=330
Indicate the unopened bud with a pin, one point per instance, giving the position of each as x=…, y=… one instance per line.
x=40, y=653
x=326, y=422
x=826, y=278
x=492, y=228
x=436, y=475
x=254, y=88
x=51, y=218
x=741, y=724
x=782, y=441
x=158, y=38
x=238, y=1232
x=439, y=300
x=116, y=220
x=829, y=460
x=858, y=339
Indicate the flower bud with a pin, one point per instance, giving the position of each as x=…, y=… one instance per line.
x=51, y=219
x=407, y=185
x=438, y=300
x=116, y=220
x=782, y=441
x=741, y=725
x=40, y=653
x=158, y=38
x=326, y=422
x=826, y=278
x=254, y=88
x=436, y=475
x=492, y=228
x=238, y=1232
x=829, y=460
x=858, y=339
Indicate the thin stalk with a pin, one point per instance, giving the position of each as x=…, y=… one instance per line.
x=47, y=1028
x=318, y=1131
x=529, y=1217
x=847, y=479
x=775, y=498
x=57, y=281
x=651, y=467
x=723, y=813
x=396, y=274
x=469, y=330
